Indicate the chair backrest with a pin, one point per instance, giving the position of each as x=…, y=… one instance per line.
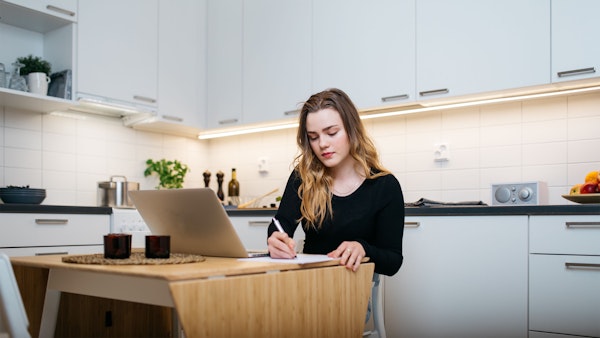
x=13, y=318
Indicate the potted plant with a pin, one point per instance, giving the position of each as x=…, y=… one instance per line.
x=34, y=64
x=37, y=71
x=170, y=173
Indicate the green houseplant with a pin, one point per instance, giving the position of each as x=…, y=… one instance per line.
x=34, y=64
x=170, y=173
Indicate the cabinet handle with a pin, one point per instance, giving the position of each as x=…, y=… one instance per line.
x=60, y=10
x=575, y=225
x=581, y=265
x=52, y=221
x=434, y=92
x=394, y=98
x=574, y=72
x=172, y=118
x=51, y=253
x=259, y=223
x=144, y=98
x=228, y=121
x=291, y=112
x=412, y=224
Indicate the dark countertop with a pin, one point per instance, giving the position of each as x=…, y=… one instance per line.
x=469, y=210
x=453, y=210
x=53, y=209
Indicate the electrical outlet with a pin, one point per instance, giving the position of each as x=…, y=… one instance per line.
x=263, y=165
x=441, y=152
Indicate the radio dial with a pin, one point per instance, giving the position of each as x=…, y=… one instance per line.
x=525, y=194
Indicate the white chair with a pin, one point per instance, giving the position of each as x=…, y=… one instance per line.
x=13, y=318
x=376, y=309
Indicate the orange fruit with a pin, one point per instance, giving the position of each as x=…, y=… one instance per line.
x=575, y=189
x=592, y=176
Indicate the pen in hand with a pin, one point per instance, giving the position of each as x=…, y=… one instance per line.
x=280, y=229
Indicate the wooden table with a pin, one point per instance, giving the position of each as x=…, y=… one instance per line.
x=223, y=297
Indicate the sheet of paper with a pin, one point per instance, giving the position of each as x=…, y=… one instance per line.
x=300, y=259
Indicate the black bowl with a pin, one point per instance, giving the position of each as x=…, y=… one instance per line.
x=22, y=195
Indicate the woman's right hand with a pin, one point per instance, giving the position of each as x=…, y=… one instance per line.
x=281, y=245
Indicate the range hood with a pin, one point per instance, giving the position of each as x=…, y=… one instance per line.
x=109, y=108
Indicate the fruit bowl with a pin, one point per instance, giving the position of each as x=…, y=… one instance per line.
x=583, y=198
x=22, y=195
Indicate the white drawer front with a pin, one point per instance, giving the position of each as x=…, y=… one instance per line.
x=564, y=294
x=568, y=235
x=252, y=231
x=24, y=230
x=53, y=250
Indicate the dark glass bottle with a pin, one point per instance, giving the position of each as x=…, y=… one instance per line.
x=234, y=189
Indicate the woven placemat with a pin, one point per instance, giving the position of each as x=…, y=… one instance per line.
x=136, y=258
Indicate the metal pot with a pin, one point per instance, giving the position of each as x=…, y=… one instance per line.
x=116, y=193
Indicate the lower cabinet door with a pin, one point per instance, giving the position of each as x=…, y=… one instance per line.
x=461, y=277
x=564, y=294
x=53, y=250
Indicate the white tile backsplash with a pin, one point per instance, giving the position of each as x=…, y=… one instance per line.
x=553, y=140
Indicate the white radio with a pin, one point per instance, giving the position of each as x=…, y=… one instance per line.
x=527, y=193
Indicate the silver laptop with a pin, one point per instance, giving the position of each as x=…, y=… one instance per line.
x=194, y=218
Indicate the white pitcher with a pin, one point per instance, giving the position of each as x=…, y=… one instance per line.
x=38, y=83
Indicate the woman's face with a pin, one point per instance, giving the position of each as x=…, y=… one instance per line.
x=328, y=138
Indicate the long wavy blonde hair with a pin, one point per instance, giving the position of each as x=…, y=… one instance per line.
x=316, y=188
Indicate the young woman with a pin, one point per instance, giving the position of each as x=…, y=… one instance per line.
x=349, y=206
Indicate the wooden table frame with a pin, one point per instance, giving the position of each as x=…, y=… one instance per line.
x=223, y=297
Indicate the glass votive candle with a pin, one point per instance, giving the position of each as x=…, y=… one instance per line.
x=158, y=246
x=117, y=246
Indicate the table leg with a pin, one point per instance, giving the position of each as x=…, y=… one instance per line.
x=50, y=313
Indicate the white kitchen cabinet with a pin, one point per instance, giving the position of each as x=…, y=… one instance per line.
x=462, y=276
x=27, y=27
x=367, y=49
x=276, y=58
x=575, y=48
x=224, y=63
x=253, y=232
x=564, y=275
x=65, y=9
x=25, y=234
x=118, y=51
x=181, y=69
x=475, y=46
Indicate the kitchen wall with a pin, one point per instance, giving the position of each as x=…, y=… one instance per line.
x=68, y=157
x=556, y=140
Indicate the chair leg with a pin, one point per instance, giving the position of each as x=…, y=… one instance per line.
x=377, y=296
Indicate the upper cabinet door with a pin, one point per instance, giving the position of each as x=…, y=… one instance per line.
x=474, y=46
x=276, y=58
x=224, y=63
x=181, y=62
x=65, y=9
x=366, y=48
x=118, y=50
x=575, y=47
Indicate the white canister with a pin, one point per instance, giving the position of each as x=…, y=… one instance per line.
x=38, y=83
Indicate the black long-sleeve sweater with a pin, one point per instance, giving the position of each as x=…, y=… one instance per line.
x=373, y=215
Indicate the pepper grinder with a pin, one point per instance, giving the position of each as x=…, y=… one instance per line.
x=206, y=175
x=220, y=193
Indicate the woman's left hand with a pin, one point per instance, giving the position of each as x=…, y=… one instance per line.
x=350, y=254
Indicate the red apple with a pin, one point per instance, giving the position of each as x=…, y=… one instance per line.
x=589, y=188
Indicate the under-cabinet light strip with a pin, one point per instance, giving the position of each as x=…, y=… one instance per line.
x=258, y=129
